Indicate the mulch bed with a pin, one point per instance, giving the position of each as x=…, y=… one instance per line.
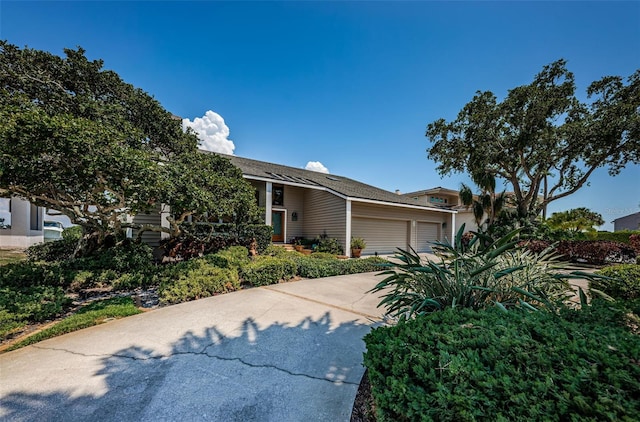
x=364, y=409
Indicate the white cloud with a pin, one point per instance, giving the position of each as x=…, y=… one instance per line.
x=316, y=166
x=212, y=132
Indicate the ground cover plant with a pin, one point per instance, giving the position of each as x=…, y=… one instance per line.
x=465, y=364
x=622, y=282
x=93, y=314
x=38, y=289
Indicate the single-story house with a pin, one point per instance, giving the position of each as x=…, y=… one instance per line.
x=304, y=203
x=628, y=222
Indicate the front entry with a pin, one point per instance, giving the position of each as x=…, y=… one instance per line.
x=277, y=222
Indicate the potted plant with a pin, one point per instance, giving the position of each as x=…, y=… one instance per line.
x=357, y=245
x=298, y=244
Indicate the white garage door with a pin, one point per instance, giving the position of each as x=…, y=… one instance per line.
x=382, y=236
x=427, y=234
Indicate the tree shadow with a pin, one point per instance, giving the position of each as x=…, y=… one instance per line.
x=280, y=372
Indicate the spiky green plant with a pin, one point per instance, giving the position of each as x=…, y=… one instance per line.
x=484, y=273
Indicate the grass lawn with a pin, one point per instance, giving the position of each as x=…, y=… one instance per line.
x=92, y=314
x=11, y=255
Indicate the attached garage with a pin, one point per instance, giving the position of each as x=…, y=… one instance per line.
x=427, y=233
x=382, y=236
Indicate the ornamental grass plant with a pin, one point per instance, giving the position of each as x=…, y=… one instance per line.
x=476, y=275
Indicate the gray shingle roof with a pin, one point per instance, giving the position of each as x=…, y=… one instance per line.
x=342, y=185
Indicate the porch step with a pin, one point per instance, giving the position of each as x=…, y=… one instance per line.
x=287, y=246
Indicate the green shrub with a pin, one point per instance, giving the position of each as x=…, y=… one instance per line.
x=310, y=267
x=88, y=316
x=27, y=273
x=33, y=303
x=72, y=233
x=475, y=276
x=323, y=255
x=463, y=365
x=196, y=279
x=58, y=250
x=325, y=243
x=269, y=270
x=233, y=257
x=619, y=236
x=276, y=251
x=130, y=257
x=624, y=281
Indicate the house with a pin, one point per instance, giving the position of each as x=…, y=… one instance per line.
x=21, y=223
x=450, y=199
x=628, y=222
x=304, y=203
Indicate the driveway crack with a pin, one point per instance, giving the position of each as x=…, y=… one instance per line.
x=201, y=353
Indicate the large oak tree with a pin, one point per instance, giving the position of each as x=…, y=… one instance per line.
x=78, y=139
x=540, y=138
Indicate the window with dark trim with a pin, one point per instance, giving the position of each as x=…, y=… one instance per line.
x=277, y=195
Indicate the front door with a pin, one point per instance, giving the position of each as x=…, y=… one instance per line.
x=277, y=221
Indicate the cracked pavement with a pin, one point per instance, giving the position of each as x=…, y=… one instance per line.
x=287, y=352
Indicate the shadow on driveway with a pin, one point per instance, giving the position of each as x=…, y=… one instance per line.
x=304, y=372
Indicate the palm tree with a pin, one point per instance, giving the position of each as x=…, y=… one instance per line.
x=486, y=203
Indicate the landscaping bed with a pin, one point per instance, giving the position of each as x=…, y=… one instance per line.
x=42, y=291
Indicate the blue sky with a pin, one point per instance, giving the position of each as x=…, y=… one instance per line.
x=349, y=84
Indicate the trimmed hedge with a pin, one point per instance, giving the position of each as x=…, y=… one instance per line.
x=196, y=279
x=310, y=267
x=464, y=365
x=269, y=270
x=619, y=236
x=624, y=283
x=588, y=251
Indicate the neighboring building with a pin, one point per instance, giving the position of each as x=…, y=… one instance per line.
x=628, y=222
x=21, y=223
x=450, y=199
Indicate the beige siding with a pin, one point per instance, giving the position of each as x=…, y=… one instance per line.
x=381, y=235
x=293, y=203
x=148, y=237
x=412, y=218
x=426, y=234
x=324, y=213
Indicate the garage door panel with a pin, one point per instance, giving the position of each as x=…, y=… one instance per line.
x=382, y=236
x=427, y=233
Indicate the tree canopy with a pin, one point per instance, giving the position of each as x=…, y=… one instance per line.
x=540, y=138
x=575, y=220
x=78, y=139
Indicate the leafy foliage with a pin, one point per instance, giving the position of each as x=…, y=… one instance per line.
x=464, y=365
x=196, y=279
x=78, y=139
x=268, y=270
x=576, y=220
x=487, y=203
x=541, y=138
x=596, y=252
x=58, y=250
x=475, y=276
x=93, y=314
x=623, y=281
x=328, y=244
x=200, y=239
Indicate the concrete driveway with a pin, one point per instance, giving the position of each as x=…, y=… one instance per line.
x=289, y=352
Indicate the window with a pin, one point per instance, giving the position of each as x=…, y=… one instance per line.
x=36, y=223
x=438, y=200
x=278, y=195
x=5, y=213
